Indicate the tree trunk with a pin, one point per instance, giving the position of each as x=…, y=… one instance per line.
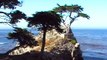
x=69, y=34
x=43, y=43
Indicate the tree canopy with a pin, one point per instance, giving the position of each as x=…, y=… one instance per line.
x=46, y=20
x=22, y=36
x=11, y=17
x=10, y=4
x=70, y=9
x=16, y=16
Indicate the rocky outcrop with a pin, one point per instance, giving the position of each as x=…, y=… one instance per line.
x=58, y=47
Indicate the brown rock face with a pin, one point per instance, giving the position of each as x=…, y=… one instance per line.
x=58, y=47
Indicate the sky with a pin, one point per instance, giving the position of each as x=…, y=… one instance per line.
x=96, y=9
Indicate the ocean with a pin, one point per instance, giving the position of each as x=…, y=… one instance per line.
x=93, y=42
x=5, y=44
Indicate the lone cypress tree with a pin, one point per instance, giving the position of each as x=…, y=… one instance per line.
x=72, y=12
x=45, y=21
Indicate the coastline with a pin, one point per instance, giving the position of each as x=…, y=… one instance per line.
x=90, y=40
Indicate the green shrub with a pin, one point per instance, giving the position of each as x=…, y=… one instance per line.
x=73, y=42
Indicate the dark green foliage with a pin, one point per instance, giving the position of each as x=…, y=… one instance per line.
x=16, y=16
x=46, y=20
x=73, y=41
x=69, y=9
x=22, y=36
x=74, y=8
x=60, y=9
x=83, y=15
x=9, y=3
x=12, y=17
x=49, y=20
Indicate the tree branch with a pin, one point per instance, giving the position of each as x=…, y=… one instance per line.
x=9, y=18
x=72, y=19
x=5, y=14
x=4, y=22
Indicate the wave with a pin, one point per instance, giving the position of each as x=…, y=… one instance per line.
x=1, y=43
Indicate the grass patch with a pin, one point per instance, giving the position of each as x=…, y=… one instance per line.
x=73, y=41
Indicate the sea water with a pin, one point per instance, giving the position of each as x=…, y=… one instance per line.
x=5, y=43
x=93, y=42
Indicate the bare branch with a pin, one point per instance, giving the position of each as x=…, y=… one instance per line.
x=5, y=13
x=4, y=22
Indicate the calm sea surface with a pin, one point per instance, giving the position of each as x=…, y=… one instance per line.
x=93, y=43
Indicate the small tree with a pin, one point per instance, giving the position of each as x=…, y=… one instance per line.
x=22, y=36
x=45, y=21
x=72, y=12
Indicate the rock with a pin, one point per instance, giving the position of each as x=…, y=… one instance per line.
x=76, y=52
x=21, y=50
x=58, y=47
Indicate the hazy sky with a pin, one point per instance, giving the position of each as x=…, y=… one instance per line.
x=96, y=9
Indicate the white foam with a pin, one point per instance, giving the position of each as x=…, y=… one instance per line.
x=1, y=43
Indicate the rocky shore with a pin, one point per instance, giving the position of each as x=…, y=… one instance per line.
x=58, y=47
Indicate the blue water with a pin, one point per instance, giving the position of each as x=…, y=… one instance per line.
x=93, y=43
x=6, y=44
